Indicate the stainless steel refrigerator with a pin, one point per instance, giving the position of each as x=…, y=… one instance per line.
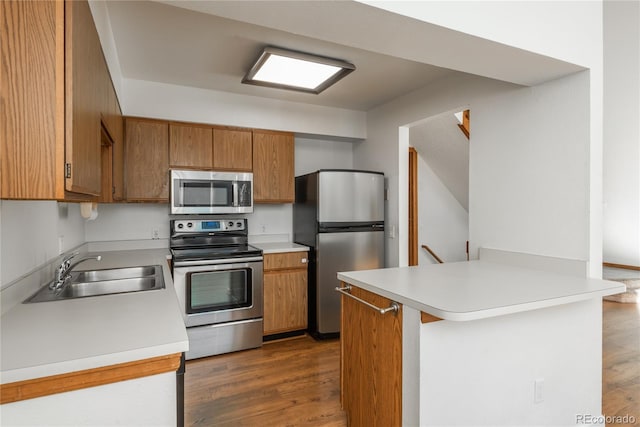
x=339, y=214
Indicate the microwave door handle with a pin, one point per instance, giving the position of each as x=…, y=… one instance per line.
x=235, y=201
x=181, y=193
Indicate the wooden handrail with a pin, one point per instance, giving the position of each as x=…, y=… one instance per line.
x=464, y=126
x=433, y=254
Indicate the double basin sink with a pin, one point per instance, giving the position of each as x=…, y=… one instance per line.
x=104, y=282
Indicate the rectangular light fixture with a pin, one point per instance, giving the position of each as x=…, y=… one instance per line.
x=287, y=69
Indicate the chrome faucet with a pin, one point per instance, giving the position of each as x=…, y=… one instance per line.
x=63, y=271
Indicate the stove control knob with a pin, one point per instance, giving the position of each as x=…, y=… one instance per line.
x=189, y=224
x=239, y=224
x=180, y=225
x=230, y=224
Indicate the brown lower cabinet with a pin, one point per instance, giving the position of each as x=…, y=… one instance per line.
x=371, y=361
x=285, y=292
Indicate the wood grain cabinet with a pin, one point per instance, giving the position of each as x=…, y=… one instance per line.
x=371, y=361
x=190, y=146
x=285, y=292
x=146, y=166
x=55, y=87
x=273, y=167
x=232, y=150
x=113, y=146
x=195, y=146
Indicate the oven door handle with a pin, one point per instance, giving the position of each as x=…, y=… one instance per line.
x=217, y=261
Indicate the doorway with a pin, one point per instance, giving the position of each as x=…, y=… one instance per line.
x=438, y=188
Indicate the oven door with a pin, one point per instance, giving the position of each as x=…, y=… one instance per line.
x=219, y=291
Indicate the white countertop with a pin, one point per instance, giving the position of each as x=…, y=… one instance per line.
x=280, y=247
x=477, y=289
x=49, y=338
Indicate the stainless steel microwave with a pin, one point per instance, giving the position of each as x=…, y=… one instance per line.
x=206, y=192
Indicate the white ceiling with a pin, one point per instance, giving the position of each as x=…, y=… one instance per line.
x=164, y=43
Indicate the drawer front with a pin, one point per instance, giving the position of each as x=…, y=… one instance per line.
x=285, y=261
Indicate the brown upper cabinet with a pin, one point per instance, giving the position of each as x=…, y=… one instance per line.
x=195, y=146
x=190, y=146
x=232, y=150
x=55, y=85
x=146, y=157
x=273, y=167
x=113, y=124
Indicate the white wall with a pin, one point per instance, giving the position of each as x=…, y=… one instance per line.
x=491, y=365
x=446, y=149
x=322, y=153
x=136, y=221
x=621, y=238
x=572, y=32
x=529, y=171
x=165, y=101
x=443, y=223
x=383, y=151
x=30, y=233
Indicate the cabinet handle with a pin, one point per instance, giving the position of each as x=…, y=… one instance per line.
x=394, y=306
x=304, y=260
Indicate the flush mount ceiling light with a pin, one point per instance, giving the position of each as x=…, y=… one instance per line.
x=287, y=69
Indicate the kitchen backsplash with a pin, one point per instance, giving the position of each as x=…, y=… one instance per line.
x=35, y=232
x=138, y=221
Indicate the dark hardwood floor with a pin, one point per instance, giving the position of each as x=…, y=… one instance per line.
x=286, y=383
x=297, y=382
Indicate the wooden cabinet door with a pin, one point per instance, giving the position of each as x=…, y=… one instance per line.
x=285, y=261
x=83, y=98
x=273, y=167
x=32, y=107
x=112, y=141
x=285, y=301
x=118, y=151
x=146, y=160
x=371, y=362
x=190, y=146
x=285, y=292
x=232, y=150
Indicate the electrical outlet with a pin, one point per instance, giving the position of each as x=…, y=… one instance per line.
x=263, y=228
x=155, y=233
x=60, y=244
x=392, y=232
x=537, y=390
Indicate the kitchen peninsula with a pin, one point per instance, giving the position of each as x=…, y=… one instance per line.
x=510, y=339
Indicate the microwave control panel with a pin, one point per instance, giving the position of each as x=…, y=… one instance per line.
x=204, y=225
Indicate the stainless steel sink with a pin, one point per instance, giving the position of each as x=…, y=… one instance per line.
x=104, y=282
x=113, y=274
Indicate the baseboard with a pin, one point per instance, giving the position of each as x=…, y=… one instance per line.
x=283, y=336
x=623, y=266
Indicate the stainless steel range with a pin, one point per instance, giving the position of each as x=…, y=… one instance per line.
x=218, y=279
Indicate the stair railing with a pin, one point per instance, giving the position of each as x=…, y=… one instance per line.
x=433, y=254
